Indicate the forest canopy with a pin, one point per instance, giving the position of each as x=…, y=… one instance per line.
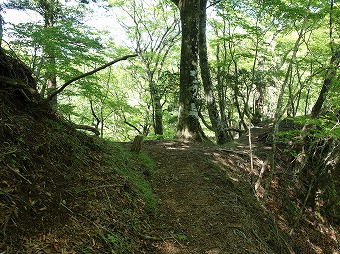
x=254, y=83
x=202, y=70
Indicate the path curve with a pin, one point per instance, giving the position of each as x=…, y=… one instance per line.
x=206, y=203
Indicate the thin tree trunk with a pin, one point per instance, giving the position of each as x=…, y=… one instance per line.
x=158, y=117
x=217, y=126
x=331, y=72
x=49, y=51
x=278, y=111
x=330, y=75
x=1, y=29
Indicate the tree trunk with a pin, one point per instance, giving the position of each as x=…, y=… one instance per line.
x=333, y=65
x=330, y=74
x=217, y=126
x=220, y=88
x=49, y=52
x=158, y=117
x=188, y=127
x=51, y=77
x=1, y=29
x=157, y=109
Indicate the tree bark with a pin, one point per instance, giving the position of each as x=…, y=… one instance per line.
x=48, y=12
x=158, y=117
x=188, y=127
x=331, y=71
x=217, y=126
x=330, y=74
x=1, y=29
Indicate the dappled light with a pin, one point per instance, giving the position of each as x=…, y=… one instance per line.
x=169, y=127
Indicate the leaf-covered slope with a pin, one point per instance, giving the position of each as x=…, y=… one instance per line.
x=59, y=188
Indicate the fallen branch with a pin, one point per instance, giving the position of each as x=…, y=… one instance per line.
x=263, y=169
x=211, y=128
x=86, y=128
x=53, y=94
x=155, y=238
x=236, y=130
x=234, y=151
x=18, y=173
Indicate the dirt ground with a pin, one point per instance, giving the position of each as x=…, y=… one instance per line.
x=208, y=205
x=207, y=202
x=63, y=191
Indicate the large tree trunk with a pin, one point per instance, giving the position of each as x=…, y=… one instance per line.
x=217, y=126
x=188, y=127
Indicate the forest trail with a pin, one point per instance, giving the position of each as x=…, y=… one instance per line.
x=206, y=202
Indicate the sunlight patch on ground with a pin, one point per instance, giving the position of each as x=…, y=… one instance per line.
x=169, y=248
x=176, y=146
x=213, y=251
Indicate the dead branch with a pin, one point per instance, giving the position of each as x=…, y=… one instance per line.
x=86, y=128
x=154, y=238
x=263, y=169
x=243, y=153
x=53, y=94
x=18, y=173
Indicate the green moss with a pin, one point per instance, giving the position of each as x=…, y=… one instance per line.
x=135, y=168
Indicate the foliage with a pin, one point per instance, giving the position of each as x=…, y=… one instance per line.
x=136, y=174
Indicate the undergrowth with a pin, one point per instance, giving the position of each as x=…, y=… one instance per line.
x=135, y=168
x=82, y=194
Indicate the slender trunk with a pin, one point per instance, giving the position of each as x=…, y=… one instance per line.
x=158, y=117
x=278, y=111
x=220, y=88
x=49, y=51
x=217, y=126
x=259, y=101
x=235, y=85
x=102, y=122
x=221, y=71
x=51, y=77
x=331, y=72
x=330, y=75
x=157, y=109
x=307, y=99
x=1, y=29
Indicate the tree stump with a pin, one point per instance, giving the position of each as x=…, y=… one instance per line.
x=137, y=143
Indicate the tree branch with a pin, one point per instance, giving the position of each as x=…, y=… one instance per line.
x=94, y=115
x=86, y=128
x=204, y=121
x=50, y=97
x=132, y=126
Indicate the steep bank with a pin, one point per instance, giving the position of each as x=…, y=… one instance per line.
x=61, y=190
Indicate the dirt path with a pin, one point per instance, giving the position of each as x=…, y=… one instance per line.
x=206, y=204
